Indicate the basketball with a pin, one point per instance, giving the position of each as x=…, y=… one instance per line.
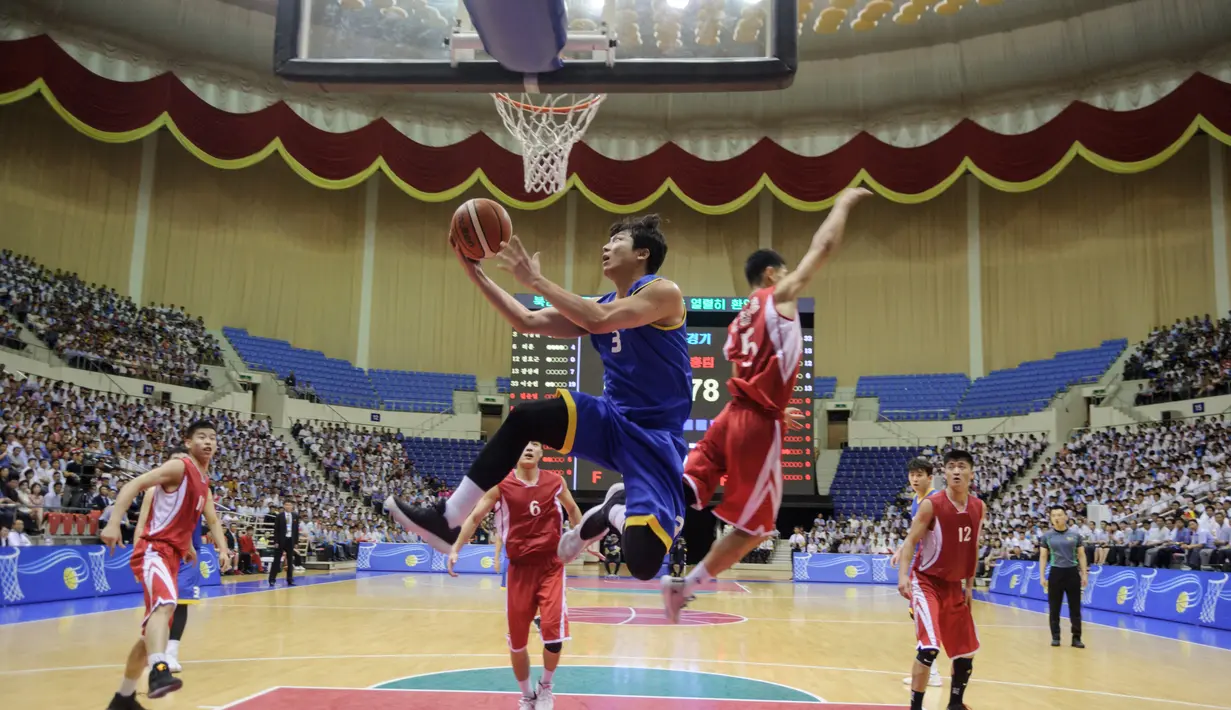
x=478, y=227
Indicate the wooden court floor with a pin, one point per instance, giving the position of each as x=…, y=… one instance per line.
x=438, y=642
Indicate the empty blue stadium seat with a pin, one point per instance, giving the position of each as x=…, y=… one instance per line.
x=914, y=397
x=1030, y=386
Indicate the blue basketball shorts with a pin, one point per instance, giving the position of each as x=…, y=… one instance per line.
x=188, y=582
x=650, y=460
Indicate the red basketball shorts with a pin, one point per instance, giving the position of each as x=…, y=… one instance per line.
x=942, y=618
x=156, y=565
x=742, y=451
x=536, y=588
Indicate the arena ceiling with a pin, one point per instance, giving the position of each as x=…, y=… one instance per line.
x=942, y=67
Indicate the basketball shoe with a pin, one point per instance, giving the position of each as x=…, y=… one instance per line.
x=544, y=700
x=426, y=521
x=675, y=597
x=594, y=526
x=121, y=702
x=162, y=682
x=526, y=703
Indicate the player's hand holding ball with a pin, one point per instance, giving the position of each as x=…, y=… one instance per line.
x=477, y=230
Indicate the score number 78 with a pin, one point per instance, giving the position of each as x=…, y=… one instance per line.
x=707, y=388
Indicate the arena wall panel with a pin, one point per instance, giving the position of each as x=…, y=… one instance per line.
x=256, y=249
x=67, y=201
x=454, y=426
x=1094, y=255
x=894, y=299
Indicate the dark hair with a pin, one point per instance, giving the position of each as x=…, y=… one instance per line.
x=758, y=262
x=198, y=425
x=177, y=450
x=959, y=455
x=646, y=235
x=919, y=464
x=1057, y=507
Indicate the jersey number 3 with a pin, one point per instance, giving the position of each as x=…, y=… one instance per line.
x=535, y=509
x=616, y=346
x=963, y=534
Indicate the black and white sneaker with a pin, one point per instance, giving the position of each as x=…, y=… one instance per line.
x=162, y=682
x=594, y=526
x=125, y=702
x=426, y=521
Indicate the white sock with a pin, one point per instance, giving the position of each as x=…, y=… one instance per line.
x=616, y=517
x=173, y=649
x=128, y=687
x=546, y=679
x=462, y=502
x=525, y=688
x=156, y=658
x=698, y=576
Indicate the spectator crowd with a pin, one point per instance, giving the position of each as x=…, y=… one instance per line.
x=95, y=328
x=1190, y=358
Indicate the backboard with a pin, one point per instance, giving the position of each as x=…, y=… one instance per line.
x=600, y=46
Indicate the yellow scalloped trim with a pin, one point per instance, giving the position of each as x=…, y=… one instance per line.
x=1200, y=123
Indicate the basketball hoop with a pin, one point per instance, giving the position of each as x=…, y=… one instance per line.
x=547, y=125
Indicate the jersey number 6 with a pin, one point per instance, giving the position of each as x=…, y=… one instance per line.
x=534, y=508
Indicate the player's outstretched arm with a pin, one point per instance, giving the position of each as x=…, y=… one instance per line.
x=547, y=322
x=570, y=508
x=486, y=503
x=918, y=527
x=661, y=300
x=826, y=239
x=170, y=473
x=216, y=532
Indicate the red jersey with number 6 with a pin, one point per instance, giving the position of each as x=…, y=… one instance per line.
x=765, y=348
x=530, y=518
x=950, y=547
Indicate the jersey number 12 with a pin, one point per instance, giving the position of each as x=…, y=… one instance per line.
x=963, y=534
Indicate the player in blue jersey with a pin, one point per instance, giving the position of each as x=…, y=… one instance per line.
x=919, y=475
x=188, y=581
x=636, y=426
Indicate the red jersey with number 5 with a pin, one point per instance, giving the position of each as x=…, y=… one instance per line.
x=173, y=516
x=529, y=517
x=765, y=348
x=950, y=547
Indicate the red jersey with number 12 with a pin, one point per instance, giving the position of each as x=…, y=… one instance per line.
x=173, y=516
x=529, y=517
x=950, y=547
x=765, y=348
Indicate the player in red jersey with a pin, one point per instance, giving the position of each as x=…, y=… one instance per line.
x=529, y=507
x=744, y=444
x=946, y=528
x=180, y=490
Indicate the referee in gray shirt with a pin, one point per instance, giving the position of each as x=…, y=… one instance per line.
x=1062, y=548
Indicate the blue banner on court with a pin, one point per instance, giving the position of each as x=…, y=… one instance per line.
x=419, y=557
x=29, y=575
x=1202, y=598
x=845, y=569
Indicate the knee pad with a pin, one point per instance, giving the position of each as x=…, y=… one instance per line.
x=553, y=647
x=643, y=552
x=927, y=656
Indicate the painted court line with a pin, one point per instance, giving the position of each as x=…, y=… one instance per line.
x=634, y=660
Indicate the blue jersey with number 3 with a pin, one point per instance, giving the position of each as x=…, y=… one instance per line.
x=647, y=374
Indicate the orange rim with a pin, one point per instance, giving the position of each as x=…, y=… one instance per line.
x=598, y=98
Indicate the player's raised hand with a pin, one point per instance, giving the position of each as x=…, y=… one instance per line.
x=452, y=561
x=514, y=259
x=793, y=417
x=471, y=266
x=111, y=534
x=852, y=196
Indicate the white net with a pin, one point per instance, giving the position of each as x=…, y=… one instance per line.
x=799, y=566
x=10, y=588
x=548, y=126
x=880, y=569
x=1143, y=591
x=1087, y=594
x=98, y=571
x=365, y=557
x=1213, y=590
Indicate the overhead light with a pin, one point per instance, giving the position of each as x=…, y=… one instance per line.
x=677, y=4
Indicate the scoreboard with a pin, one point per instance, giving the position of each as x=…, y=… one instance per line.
x=542, y=365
